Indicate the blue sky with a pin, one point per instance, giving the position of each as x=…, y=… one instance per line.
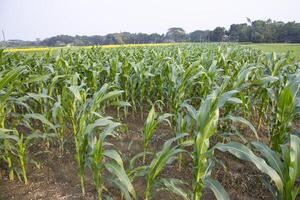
x=31, y=19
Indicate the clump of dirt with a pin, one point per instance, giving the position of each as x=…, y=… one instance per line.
x=56, y=177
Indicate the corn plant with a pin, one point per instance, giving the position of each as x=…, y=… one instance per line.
x=164, y=157
x=265, y=91
x=182, y=82
x=282, y=168
x=285, y=113
x=58, y=115
x=73, y=99
x=6, y=80
x=183, y=123
x=7, y=152
x=101, y=158
x=151, y=124
x=142, y=76
x=86, y=110
x=204, y=125
x=17, y=144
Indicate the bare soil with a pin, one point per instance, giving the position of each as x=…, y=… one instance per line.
x=56, y=177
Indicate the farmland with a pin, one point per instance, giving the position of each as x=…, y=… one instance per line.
x=279, y=48
x=184, y=121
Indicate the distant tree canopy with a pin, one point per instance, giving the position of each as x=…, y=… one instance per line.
x=199, y=36
x=240, y=32
x=176, y=34
x=218, y=34
x=257, y=31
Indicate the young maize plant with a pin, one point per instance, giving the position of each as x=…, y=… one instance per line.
x=282, y=168
x=204, y=125
x=58, y=115
x=83, y=111
x=183, y=123
x=7, y=80
x=241, y=80
x=73, y=102
x=6, y=152
x=150, y=126
x=164, y=157
x=14, y=144
x=55, y=87
x=38, y=98
x=124, y=81
x=265, y=91
x=182, y=81
x=17, y=143
x=101, y=158
x=141, y=78
x=285, y=112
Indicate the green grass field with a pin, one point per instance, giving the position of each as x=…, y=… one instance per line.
x=279, y=48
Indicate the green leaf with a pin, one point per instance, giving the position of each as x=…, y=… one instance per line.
x=136, y=157
x=121, y=104
x=37, y=97
x=119, y=172
x=122, y=188
x=113, y=154
x=227, y=96
x=41, y=118
x=76, y=91
x=295, y=192
x=244, y=153
x=217, y=188
x=111, y=95
x=8, y=136
x=102, y=122
x=244, y=121
x=10, y=76
x=272, y=157
x=295, y=158
x=234, y=100
x=172, y=185
x=36, y=78
x=266, y=80
x=191, y=110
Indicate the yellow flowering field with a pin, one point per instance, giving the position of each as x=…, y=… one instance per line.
x=39, y=49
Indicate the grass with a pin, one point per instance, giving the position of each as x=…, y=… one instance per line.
x=279, y=48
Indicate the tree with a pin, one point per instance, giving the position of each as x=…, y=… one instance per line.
x=257, y=31
x=218, y=34
x=289, y=32
x=199, y=36
x=239, y=33
x=176, y=34
x=156, y=38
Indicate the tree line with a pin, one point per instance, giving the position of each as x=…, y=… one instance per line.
x=258, y=31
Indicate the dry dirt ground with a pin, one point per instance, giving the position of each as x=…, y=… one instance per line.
x=56, y=177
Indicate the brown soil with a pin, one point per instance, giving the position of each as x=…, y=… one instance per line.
x=56, y=178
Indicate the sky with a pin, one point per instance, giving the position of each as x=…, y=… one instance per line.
x=32, y=19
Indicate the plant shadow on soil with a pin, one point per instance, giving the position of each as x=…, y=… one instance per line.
x=56, y=177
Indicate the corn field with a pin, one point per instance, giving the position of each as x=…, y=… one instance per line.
x=201, y=102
